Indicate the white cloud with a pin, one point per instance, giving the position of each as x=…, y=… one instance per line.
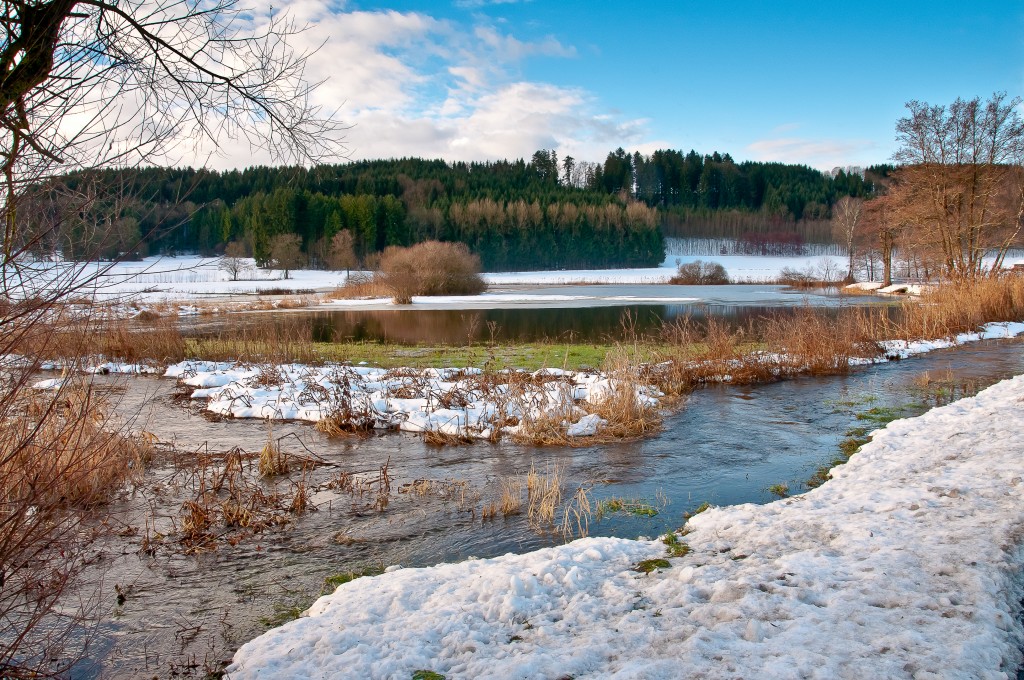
x=414, y=85
x=509, y=48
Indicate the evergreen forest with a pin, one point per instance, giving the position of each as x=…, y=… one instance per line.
x=541, y=213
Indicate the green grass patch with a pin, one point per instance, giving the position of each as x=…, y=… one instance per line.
x=883, y=415
x=647, y=566
x=633, y=506
x=851, y=445
x=676, y=547
x=427, y=675
x=529, y=356
x=332, y=582
x=281, y=615
x=699, y=509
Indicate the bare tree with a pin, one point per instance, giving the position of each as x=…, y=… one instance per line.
x=962, y=187
x=89, y=84
x=286, y=252
x=235, y=261
x=342, y=254
x=884, y=228
x=846, y=215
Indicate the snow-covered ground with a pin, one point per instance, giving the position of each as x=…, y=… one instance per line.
x=156, y=279
x=906, y=565
x=159, y=279
x=446, y=400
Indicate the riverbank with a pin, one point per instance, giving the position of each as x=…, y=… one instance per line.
x=910, y=557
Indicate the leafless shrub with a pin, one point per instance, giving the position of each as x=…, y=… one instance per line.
x=700, y=273
x=60, y=460
x=430, y=268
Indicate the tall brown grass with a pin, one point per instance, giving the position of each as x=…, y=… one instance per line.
x=543, y=494
x=957, y=307
x=60, y=461
x=812, y=342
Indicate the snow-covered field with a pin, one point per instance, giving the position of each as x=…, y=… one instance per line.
x=159, y=279
x=156, y=279
x=906, y=565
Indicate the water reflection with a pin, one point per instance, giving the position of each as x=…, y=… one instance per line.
x=601, y=313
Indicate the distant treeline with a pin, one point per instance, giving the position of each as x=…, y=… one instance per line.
x=542, y=213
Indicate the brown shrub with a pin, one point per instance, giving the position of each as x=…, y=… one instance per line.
x=430, y=268
x=700, y=273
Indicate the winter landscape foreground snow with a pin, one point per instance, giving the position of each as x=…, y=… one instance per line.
x=906, y=564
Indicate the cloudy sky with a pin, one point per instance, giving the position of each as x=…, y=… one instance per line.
x=820, y=83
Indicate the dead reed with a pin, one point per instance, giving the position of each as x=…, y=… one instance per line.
x=543, y=494
x=509, y=501
x=958, y=307
x=810, y=341
x=273, y=461
x=229, y=499
x=61, y=451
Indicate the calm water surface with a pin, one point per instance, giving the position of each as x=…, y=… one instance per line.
x=600, y=313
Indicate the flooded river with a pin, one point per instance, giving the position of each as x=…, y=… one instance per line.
x=180, y=615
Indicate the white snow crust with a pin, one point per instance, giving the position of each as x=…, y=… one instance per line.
x=445, y=400
x=907, y=564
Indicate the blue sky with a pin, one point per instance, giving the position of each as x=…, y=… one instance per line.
x=808, y=82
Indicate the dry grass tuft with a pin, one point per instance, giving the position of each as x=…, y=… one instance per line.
x=361, y=285
x=544, y=494
x=437, y=438
x=273, y=461
x=577, y=513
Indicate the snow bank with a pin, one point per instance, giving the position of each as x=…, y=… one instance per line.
x=906, y=564
x=902, y=349
x=449, y=401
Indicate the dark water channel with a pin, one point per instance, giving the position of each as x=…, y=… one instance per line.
x=182, y=614
x=596, y=313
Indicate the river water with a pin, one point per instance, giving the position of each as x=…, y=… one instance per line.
x=183, y=614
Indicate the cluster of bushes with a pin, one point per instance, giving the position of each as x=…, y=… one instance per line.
x=700, y=273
